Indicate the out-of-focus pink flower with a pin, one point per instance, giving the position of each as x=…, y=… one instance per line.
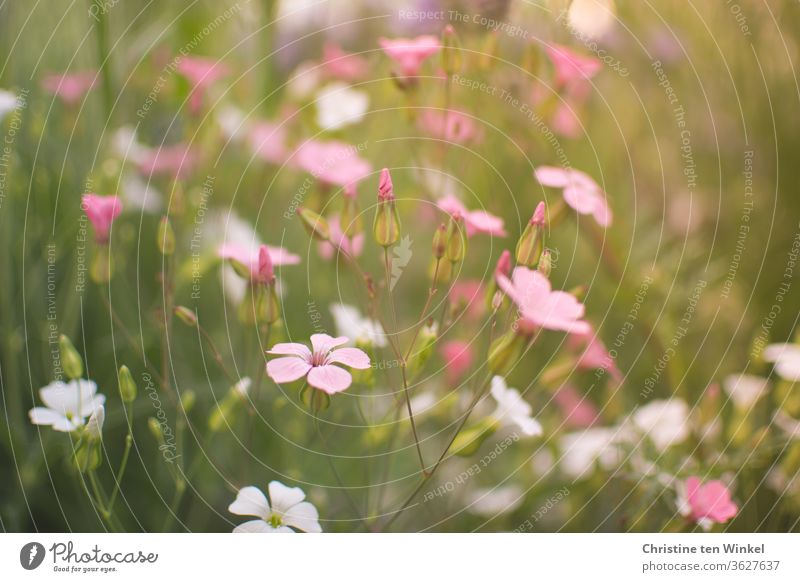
x=175, y=160
x=476, y=221
x=468, y=295
x=317, y=365
x=268, y=141
x=594, y=356
x=707, y=503
x=580, y=191
x=458, y=356
x=332, y=162
x=69, y=87
x=578, y=411
x=339, y=241
x=409, y=53
x=201, y=73
x=260, y=261
x=540, y=306
x=343, y=65
x=451, y=125
x=573, y=70
x=101, y=212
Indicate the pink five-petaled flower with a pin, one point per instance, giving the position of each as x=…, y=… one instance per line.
x=101, y=211
x=409, y=53
x=317, y=366
x=580, y=191
x=540, y=306
x=707, y=504
x=201, y=74
x=476, y=221
x=69, y=87
x=261, y=261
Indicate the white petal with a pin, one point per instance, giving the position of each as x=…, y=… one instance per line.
x=283, y=497
x=250, y=501
x=304, y=517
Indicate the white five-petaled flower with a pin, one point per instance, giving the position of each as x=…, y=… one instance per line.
x=339, y=105
x=512, y=409
x=286, y=509
x=786, y=358
x=68, y=405
x=350, y=323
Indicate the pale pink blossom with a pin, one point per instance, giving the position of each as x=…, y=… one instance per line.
x=351, y=247
x=409, y=54
x=101, y=211
x=707, y=503
x=201, y=74
x=343, y=65
x=175, y=160
x=450, y=125
x=578, y=410
x=458, y=356
x=260, y=261
x=476, y=221
x=70, y=87
x=268, y=141
x=317, y=366
x=332, y=162
x=540, y=306
x=580, y=191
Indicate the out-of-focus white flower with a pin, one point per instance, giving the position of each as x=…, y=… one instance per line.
x=8, y=102
x=745, y=390
x=359, y=329
x=512, y=409
x=138, y=193
x=591, y=18
x=339, y=105
x=665, y=422
x=94, y=427
x=581, y=450
x=67, y=405
x=304, y=81
x=786, y=358
x=232, y=122
x=493, y=501
x=286, y=509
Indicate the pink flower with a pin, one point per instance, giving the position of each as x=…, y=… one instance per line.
x=573, y=70
x=260, y=261
x=201, y=74
x=332, y=162
x=409, y=54
x=268, y=141
x=343, y=65
x=317, y=366
x=101, y=211
x=458, y=356
x=476, y=221
x=175, y=160
x=581, y=192
x=578, y=411
x=595, y=356
x=339, y=241
x=468, y=295
x=69, y=87
x=707, y=504
x=452, y=126
x=540, y=306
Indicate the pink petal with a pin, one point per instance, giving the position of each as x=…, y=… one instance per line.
x=322, y=343
x=285, y=370
x=352, y=357
x=330, y=379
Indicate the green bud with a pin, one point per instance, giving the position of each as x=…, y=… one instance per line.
x=166, y=237
x=71, y=360
x=505, y=352
x=127, y=386
x=314, y=224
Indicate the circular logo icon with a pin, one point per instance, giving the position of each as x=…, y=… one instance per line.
x=31, y=555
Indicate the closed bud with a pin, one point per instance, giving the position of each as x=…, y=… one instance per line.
x=71, y=360
x=166, y=237
x=185, y=315
x=531, y=242
x=451, y=51
x=314, y=224
x=456, y=246
x=127, y=386
x=440, y=241
x=505, y=352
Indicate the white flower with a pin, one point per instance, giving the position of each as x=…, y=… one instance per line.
x=67, y=405
x=288, y=510
x=494, y=501
x=580, y=450
x=664, y=421
x=786, y=358
x=591, y=18
x=350, y=323
x=8, y=102
x=512, y=410
x=338, y=105
x=94, y=428
x=744, y=389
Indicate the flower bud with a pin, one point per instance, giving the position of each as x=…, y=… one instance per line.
x=315, y=224
x=166, y=237
x=185, y=315
x=440, y=241
x=386, y=227
x=505, y=352
x=71, y=360
x=127, y=386
x=456, y=246
x=451, y=51
x=531, y=242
